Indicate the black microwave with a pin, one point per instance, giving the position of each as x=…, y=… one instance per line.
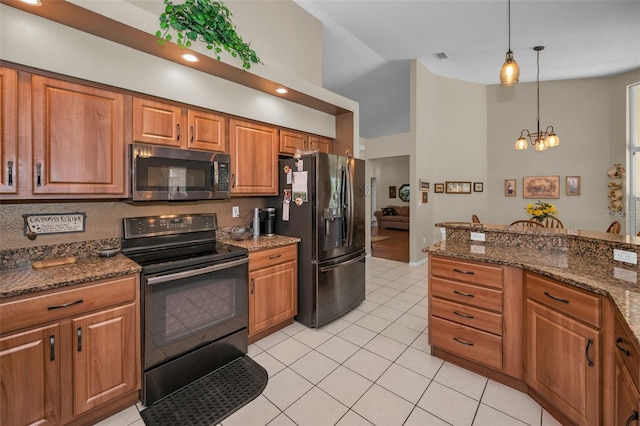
x=172, y=174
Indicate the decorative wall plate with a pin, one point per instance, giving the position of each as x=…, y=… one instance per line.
x=617, y=171
x=615, y=184
x=615, y=205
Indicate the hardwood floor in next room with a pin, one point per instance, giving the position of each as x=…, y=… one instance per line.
x=396, y=247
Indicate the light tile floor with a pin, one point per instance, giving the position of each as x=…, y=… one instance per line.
x=372, y=367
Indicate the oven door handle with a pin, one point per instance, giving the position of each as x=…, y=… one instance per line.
x=194, y=272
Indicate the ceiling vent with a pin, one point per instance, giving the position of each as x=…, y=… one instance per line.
x=441, y=55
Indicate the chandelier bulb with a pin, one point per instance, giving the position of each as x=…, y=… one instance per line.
x=521, y=144
x=510, y=71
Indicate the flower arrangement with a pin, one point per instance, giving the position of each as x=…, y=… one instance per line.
x=540, y=211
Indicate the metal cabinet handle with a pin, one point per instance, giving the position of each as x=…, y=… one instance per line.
x=79, y=333
x=463, y=342
x=178, y=127
x=463, y=315
x=52, y=347
x=275, y=256
x=253, y=285
x=460, y=271
x=10, y=173
x=632, y=418
x=556, y=298
x=50, y=308
x=233, y=180
x=624, y=350
x=586, y=352
x=463, y=294
x=38, y=174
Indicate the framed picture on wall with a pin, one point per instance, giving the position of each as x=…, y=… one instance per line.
x=478, y=187
x=509, y=187
x=438, y=188
x=392, y=192
x=541, y=187
x=425, y=197
x=573, y=185
x=425, y=185
x=458, y=187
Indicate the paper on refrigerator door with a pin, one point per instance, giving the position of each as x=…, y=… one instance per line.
x=285, y=212
x=299, y=186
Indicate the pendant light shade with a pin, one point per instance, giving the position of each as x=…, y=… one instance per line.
x=510, y=71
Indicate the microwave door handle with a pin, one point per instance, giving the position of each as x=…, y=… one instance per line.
x=187, y=274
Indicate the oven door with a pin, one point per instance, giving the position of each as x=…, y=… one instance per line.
x=187, y=308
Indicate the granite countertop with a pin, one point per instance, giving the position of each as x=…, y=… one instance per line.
x=26, y=280
x=608, y=278
x=260, y=243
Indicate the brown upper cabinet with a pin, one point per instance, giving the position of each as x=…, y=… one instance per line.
x=77, y=139
x=254, y=158
x=9, y=130
x=169, y=124
x=291, y=140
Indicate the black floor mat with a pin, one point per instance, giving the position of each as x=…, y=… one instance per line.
x=211, y=398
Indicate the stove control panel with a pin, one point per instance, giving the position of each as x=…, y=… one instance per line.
x=135, y=227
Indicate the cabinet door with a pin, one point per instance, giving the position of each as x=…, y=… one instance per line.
x=273, y=296
x=563, y=363
x=157, y=123
x=78, y=139
x=104, y=357
x=321, y=144
x=8, y=130
x=254, y=158
x=290, y=141
x=626, y=409
x=207, y=131
x=30, y=377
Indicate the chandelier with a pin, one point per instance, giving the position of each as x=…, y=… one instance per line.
x=510, y=71
x=541, y=140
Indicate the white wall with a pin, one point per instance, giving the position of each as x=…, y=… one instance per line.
x=589, y=115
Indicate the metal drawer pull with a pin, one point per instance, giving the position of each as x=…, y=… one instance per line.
x=556, y=298
x=253, y=285
x=52, y=347
x=624, y=351
x=340, y=265
x=38, y=174
x=460, y=271
x=50, y=308
x=191, y=134
x=632, y=418
x=275, y=256
x=178, y=126
x=463, y=315
x=463, y=294
x=10, y=173
x=586, y=353
x=79, y=332
x=463, y=342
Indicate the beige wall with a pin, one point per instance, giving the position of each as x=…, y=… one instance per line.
x=589, y=115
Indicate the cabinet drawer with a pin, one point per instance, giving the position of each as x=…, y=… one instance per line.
x=470, y=272
x=52, y=306
x=476, y=345
x=568, y=300
x=265, y=258
x=467, y=315
x=481, y=297
x=627, y=350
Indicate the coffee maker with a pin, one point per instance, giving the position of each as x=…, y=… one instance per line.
x=268, y=221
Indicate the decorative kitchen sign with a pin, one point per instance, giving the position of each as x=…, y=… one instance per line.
x=55, y=223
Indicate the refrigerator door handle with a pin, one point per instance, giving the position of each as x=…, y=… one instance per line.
x=349, y=203
x=339, y=265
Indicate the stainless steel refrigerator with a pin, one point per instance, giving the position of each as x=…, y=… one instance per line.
x=322, y=201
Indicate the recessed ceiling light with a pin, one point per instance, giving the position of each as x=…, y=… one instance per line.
x=190, y=57
x=33, y=2
x=282, y=90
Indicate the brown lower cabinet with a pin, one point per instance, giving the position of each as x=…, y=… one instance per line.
x=273, y=290
x=75, y=353
x=574, y=361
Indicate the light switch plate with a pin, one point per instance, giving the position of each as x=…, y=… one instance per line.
x=625, y=256
x=477, y=236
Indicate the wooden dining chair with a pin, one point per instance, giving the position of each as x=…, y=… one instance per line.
x=614, y=228
x=552, y=222
x=474, y=219
x=527, y=223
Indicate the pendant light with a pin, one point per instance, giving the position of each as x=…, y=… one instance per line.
x=510, y=72
x=540, y=140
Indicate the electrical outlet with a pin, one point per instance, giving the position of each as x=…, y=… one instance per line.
x=477, y=236
x=235, y=211
x=625, y=256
